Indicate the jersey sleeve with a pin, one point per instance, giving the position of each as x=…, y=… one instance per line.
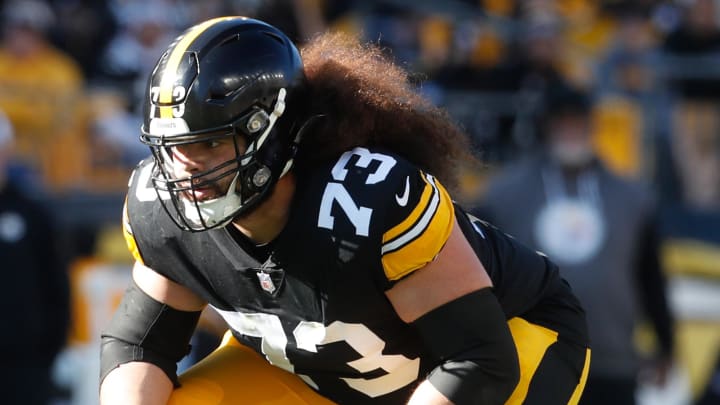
x=129, y=236
x=417, y=224
x=378, y=203
x=138, y=212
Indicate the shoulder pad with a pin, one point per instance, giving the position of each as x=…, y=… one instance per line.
x=382, y=197
x=145, y=221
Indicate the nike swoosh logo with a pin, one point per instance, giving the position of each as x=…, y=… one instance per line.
x=403, y=199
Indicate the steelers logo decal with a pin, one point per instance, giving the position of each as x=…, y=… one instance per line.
x=570, y=231
x=12, y=227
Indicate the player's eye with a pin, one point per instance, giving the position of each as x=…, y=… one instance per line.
x=213, y=143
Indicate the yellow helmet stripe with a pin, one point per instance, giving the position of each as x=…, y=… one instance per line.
x=168, y=80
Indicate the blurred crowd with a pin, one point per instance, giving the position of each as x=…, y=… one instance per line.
x=597, y=125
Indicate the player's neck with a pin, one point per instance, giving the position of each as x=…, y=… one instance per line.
x=266, y=222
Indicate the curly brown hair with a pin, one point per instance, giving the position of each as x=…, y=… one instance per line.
x=368, y=101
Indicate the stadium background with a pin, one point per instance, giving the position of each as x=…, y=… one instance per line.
x=652, y=68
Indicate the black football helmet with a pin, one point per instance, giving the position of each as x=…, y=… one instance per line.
x=226, y=77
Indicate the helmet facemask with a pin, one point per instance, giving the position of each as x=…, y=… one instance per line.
x=249, y=177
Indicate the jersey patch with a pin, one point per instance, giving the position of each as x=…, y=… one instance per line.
x=416, y=240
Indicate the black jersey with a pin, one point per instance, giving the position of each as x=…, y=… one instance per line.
x=313, y=302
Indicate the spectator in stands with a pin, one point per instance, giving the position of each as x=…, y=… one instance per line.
x=627, y=67
x=600, y=229
x=40, y=91
x=691, y=63
x=35, y=292
x=300, y=19
x=693, y=51
x=144, y=29
x=83, y=30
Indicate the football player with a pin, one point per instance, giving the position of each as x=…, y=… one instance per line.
x=304, y=200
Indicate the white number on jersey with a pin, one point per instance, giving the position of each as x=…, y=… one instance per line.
x=335, y=191
x=401, y=371
x=144, y=191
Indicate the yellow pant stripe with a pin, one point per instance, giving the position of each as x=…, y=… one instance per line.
x=583, y=378
x=531, y=341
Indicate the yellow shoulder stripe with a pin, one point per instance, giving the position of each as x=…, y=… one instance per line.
x=422, y=237
x=413, y=217
x=129, y=238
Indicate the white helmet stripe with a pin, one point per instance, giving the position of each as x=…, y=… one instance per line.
x=274, y=115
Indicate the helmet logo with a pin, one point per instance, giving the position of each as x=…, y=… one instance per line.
x=257, y=121
x=261, y=176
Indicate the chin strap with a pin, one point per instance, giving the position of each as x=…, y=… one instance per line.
x=215, y=212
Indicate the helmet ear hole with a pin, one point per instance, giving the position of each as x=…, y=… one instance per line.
x=249, y=184
x=257, y=121
x=261, y=176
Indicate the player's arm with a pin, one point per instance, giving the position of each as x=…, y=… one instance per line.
x=439, y=286
x=451, y=304
x=149, y=333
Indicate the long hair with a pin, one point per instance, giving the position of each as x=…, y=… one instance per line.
x=367, y=100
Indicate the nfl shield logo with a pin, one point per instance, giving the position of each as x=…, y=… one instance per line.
x=266, y=282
